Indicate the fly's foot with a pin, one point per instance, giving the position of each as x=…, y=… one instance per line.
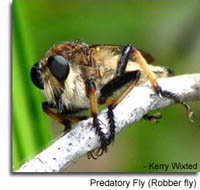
x=67, y=125
x=176, y=98
x=99, y=151
x=104, y=144
x=104, y=141
x=92, y=155
x=153, y=118
x=95, y=154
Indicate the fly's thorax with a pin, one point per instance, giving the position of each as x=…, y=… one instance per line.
x=108, y=63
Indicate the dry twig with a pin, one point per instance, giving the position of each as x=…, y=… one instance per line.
x=81, y=139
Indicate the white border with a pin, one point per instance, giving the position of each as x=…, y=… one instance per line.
x=34, y=182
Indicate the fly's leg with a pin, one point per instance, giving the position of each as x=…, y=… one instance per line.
x=112, y=104
x=153, y=118
x=151, y=77
x=65, y=120
x=123, y=61
x=120, y=73
x=90, y=87
x=119, y=81
x=126, y=52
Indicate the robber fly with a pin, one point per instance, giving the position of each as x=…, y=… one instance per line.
x=75, y=76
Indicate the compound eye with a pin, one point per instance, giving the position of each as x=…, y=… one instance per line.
x=36, y=76
x=59, y=67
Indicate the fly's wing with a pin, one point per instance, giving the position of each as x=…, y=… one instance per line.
x=148, y=57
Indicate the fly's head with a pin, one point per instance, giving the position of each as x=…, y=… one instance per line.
x=51, y=75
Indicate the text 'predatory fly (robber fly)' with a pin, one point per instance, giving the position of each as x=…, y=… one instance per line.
x=75, y=76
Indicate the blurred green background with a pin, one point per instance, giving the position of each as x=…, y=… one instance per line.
x=169, y=30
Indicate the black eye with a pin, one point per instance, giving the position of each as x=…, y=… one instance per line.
x=36, y=76
x=59, y=67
